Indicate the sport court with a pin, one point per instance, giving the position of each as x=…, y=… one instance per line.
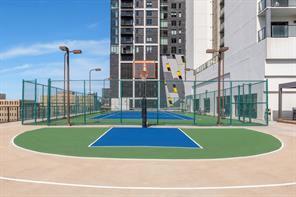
x=145, y=137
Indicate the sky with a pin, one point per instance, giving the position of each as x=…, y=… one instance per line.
x=32, y=30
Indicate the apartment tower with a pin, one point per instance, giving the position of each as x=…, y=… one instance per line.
x=150, y=32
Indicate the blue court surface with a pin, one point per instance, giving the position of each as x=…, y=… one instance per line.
x=138, y=115
x=145, y=137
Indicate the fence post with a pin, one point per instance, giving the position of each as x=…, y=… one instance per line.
x=230, y=103
x=35, y=102
x=238, y=103
x=56, y=104
x=48, y=101
x=244, y=104
x=214, y=103
x=194, y=100
x=267, y=110
x=23, y=103
x=250, y=103
x=84, y=103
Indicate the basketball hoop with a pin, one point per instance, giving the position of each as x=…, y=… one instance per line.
x=144, y=70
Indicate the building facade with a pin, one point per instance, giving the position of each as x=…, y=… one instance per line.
x=261, y=36
x=145, y=33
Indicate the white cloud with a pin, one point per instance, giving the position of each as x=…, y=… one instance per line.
x=88, y=47
x=15, y=69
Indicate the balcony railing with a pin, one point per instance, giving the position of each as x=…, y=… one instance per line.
x=261, y=5
x=262, y=34
x=283, y=31
x=126, y=5
x=278, y=31
x=283, y=3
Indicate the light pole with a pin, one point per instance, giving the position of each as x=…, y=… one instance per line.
x=67, y=65
x=194, y=72
x=220, y=52
x=89, y=74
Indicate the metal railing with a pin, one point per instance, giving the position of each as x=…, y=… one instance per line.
x=278, y=31
x=283, y=31
x=262, y=34
x=261, y=5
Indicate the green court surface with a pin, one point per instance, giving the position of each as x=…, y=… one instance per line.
x=216, y=143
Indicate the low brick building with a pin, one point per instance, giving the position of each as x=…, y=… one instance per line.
x=9, y=110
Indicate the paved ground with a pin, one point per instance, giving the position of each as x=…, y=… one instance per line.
x=23, y=173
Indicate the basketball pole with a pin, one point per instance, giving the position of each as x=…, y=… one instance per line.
x=144, y=101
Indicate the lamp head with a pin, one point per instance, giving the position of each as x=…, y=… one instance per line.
x=64, y=48
x=76, y=52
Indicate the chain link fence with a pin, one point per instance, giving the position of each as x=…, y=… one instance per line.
x=119, y=102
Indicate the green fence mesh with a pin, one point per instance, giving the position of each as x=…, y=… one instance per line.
x=114, y=102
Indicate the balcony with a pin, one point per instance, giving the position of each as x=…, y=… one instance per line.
x=127, y=5
x=126, y=22
x=127, y=14
x=126, y=40
x=281, y=48
x=127, y=49
x=127, y=31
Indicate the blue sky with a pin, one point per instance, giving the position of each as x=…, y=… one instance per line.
x=32, y=30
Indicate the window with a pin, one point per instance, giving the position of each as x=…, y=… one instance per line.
x=149, y=13
x=164, y=41
x=173, y=14
x=174, y=32
x=137, y=21
x=149, y=49
x=149, y=39
x=137, y=49
x=180, y=5
x=174, y=23
x=149, y=4
x=149, y=21
x=180, y=15
x=164, y=15
x=180, y=50
x=180, y=40
x=174, y=6
x=180, y=23
x=173, y=50
x=174, y=40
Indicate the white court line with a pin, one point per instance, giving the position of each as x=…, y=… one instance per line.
x=171, y=114
x=191, y=138
x=104, y=117
x=100, y=137
x=139, y=146
x=146, y=188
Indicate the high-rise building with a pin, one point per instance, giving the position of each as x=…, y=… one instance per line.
x=151, y=34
